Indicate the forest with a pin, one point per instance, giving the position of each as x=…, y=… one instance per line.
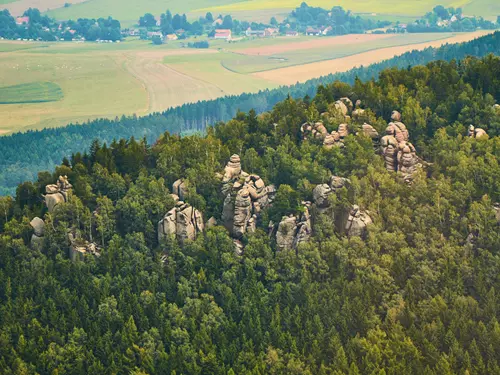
x=413, y=293
x=22, y=155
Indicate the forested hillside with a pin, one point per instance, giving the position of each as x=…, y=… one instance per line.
x=119, y=279
x=22, y=155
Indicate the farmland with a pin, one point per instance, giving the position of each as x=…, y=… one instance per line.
x=52, y=84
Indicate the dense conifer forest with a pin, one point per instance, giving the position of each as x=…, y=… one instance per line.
x=22, y=155
x=413, y=293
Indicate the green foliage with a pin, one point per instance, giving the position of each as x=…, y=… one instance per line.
x=417, y=296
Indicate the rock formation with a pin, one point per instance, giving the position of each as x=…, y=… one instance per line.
x=332, y=140
x=182, y=222
x=476, y=132
x=180, y=189
x=407, y=160
x=496, y=207
x=245, y=196
x=389, y=149
x=341, y=107
x=293, y=231
x=348, y=103
x=316, y=130
x=38, y=226
x=357, y=222
x=80, y=248
x=57, y=193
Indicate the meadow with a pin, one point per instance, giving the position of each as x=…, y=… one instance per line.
x=53, y=84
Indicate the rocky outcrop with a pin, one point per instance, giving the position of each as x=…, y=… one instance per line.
x=407, y=160
x=496, y=207
x=389, y=149
x=357, y=222
x=183, y=222
x=180, y=189
x=369, y=131
x=341, y=107
x=80, y=248
x=38, y=226
x=313, y=131
x=477, y=132
x=293, y=230
x=57, y=193
x=245, y=196
x=332, y=140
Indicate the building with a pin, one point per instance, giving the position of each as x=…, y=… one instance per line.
x=313, y=31
x=292, y=33
x=271, y=31
x=256, y=33
x=171, y=37
x=22, y=20
x=151, y=34
x=224, y=34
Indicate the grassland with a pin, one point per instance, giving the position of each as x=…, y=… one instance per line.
x=35, y=92
x=134, y=77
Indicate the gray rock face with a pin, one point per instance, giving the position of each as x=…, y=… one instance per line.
x=80, y=248
x=293, y=231
x=182, y=222
x=357, y=222
x=321, y=194
x=180, y=189
x=245, y=196
x=57, y=193
x=38, y=226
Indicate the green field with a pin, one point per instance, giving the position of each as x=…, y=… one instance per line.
x=36, y=92
x=252, y=64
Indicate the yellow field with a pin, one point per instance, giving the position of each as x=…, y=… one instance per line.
x=83, y=81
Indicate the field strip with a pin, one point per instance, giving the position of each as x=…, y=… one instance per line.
x=312, y=44
x=165, y=86
x=301, y=73
x=17, y=8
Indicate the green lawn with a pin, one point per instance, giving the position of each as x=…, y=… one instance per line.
x=36, y=92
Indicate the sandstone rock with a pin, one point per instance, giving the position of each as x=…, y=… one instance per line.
x=38, y=226
x=477, y=132
x=347, y=102
x=357, y=222
x=51, y=189
x=81, y=248
x=238, y=247
x=57, y=193
x=343, y=131
x=400, y=132
x=320, y=197
x=389, y=149
x=293, y=231
x=212, y=222
x=332, y=140
x=496, y=207
x=341, y=107
x=242, y=213
x=358, y=113
x=52, y=200
x=407, y=160
x=233, y=168
x=395, y=116
x=180, y=188
x=369, y=131
x=183, y=222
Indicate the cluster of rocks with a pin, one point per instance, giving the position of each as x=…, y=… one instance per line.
x=245, y=196
x=80, y=248
x=398, y=153
x=294, y=230
x=180, y=190
x=57, y=193
x=183, y=222
x=476, y=132
x=38, y=226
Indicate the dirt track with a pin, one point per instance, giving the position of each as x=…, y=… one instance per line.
x=165, y=86
x=302, y=73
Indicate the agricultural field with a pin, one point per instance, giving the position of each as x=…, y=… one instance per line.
x=52, y=84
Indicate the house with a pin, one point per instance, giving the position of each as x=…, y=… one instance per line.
x=454, y=18
x=223, y=34
x=217, y=22
x=271, y=31
x=257, y=33
x=22, y=20
x=313, y=31
x=151, y=34
x=171, y=37
x=292, y=33
x=327, y=30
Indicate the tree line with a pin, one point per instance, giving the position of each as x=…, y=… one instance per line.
x=22, y=155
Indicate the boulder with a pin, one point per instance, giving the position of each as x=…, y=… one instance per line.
x=341, y=107
x=80, y=248
x=38, y=226
x=242, y=213
x=36, y=242
x=233, y=168
x=477, y=132
x=389, y=149
x=320, y=197
x=52, y=200
x=369, y=131
x=347, y=102
x=395, y=116
x=57, y=193
x=183, y=222
x=332, y=140
x=293, y=231
x=407, y=160
x=212, y=222
x=400, y=132
x=357, y=222
x=343, y=131
x=496, y=207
